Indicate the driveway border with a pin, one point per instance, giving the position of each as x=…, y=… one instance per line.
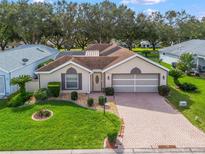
x=115, y=151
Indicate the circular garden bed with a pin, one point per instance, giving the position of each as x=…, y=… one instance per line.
x=43, y=114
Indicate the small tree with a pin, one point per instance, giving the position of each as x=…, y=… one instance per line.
x=21, y=82
x=176, y=74
x=186, y=62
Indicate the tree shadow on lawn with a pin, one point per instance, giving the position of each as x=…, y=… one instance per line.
x=176, y=96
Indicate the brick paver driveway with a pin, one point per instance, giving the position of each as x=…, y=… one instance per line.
x=150, y=121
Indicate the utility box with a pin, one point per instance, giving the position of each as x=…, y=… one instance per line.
x=183, y=103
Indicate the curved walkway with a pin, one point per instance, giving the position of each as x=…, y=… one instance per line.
x=150, y=122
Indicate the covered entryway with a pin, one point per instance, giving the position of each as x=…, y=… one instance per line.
x=135, y=82
x=97, y=82
x=2, y=85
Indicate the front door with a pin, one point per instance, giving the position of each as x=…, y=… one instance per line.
x=97, y=78
x=2, y=85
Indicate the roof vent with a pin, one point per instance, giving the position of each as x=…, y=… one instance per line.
x=25, y=60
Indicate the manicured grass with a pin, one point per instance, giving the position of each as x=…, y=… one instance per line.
x=144, y=49
x=71, y=127
x=196, y=101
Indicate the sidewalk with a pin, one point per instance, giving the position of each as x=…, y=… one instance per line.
x=118, y=151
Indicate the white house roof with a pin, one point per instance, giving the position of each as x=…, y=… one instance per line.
x=11, y=60
x=193, y=46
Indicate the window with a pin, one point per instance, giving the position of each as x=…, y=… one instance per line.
x=71, y=81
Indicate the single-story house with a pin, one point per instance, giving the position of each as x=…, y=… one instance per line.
x=22, y=60
x=196, y=47
x=147, y=44
x=103, y=65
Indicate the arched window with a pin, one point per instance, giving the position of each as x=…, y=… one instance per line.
x=71, y=71
x=71, y=79
x=135, y=71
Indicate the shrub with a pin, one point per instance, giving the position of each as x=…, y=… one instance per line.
x=90, y=102
x=188, y=87
x=74, y=95
x=41, y=94
x=13, y=94
x=19, y=99
x=102, y=100
x=54, y=89
x=109, y=91
x=186, y=62
x=164, y=90
x=176, y=74
x=21, y=82
x=112, y=136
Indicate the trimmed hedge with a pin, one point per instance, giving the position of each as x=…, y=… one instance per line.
x=54, y=89
x=188, y=87
x=109, y=91
x=112, y=136
x=164, y=90
x=74, y=95
x=19, y=99
x=41, y=94
x=90, y=102
x=102, y=100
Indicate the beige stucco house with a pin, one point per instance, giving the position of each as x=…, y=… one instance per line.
x=104, y=65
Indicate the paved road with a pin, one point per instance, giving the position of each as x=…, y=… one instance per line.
x=119, y=151
x=150, y=122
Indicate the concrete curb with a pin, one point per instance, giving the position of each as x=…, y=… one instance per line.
x=116, y=151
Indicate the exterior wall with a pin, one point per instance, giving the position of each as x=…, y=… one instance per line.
x=27, y=70
x=168, y=58
x=32, y=86
x=56, y=76
x=7, y=82
x=144, y=66
x=202, y=64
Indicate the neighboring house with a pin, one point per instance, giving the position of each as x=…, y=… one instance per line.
x=196, y=47
x=104, y=65
x=22, y=60
x=147, y=44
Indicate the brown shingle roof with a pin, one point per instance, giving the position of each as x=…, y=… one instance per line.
x=88, y=62
x=98, y=46
x=111, y=56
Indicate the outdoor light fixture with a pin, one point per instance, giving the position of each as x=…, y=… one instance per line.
x=108, y=77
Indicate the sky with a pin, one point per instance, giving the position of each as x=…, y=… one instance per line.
x=194, y=7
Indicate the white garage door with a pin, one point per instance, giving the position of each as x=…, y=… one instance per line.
x=2, y=85
x=135, y=83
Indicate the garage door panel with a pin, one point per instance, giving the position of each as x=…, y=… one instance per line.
x=135, y=83
x=124, y=89
x=123, y=82
x=146, y=82
x=123, y=76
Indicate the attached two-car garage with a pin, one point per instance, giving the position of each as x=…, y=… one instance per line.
x=135, y=82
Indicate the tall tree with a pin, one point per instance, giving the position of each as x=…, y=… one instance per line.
x=6, y=25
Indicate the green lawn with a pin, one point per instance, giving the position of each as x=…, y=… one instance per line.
x=71, y=127
x=196, y=101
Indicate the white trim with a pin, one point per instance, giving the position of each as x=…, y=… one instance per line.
x=4, y=86
x=135, y=79
x=63, y=65
x=139, y=56
x=135, y=85
x=4, y=70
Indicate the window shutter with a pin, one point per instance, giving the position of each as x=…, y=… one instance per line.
x=80, y=81
x=63, y=81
